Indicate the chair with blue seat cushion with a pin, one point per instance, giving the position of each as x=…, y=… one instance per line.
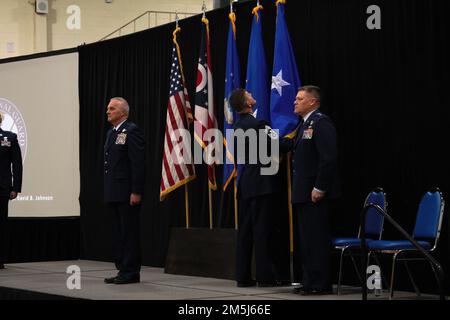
x=373, y=226
x=426, y=233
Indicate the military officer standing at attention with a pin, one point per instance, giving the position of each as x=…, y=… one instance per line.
x=10, y=179
x=314, y=183
x=123, y=187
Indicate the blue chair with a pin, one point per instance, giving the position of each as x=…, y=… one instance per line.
x=426, y=233
x=373, y=226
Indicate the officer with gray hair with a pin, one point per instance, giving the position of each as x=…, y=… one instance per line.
x=124, y=166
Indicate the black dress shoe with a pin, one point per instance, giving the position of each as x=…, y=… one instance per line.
x=123, y=280
x=298, y=289
x=242, y=284
x=110, y=280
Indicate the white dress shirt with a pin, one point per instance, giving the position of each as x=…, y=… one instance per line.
x=118, y=126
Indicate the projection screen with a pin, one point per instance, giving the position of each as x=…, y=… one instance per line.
x=39, y=101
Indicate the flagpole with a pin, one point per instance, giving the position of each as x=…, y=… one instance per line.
x=210, y=208
x=291, y=218
x=209, y=187
x=233, y=19
x=291, y=222
x=291, y=226
x=186, y=190
x=235, y=205
x=186, y=198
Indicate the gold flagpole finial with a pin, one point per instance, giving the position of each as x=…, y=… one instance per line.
x=256, y=9
x=232, y=17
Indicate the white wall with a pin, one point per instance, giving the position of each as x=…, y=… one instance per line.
x=28, y=32
x=16, y=27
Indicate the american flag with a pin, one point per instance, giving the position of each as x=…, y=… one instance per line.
x=177, y=167
x=204, y=105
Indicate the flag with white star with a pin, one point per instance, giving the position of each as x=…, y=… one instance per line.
x=285, y=79
x=204, y=104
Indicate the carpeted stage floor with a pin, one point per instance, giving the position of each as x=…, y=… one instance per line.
x=47, y=280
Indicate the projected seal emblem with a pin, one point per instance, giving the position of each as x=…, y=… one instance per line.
x=13, y=121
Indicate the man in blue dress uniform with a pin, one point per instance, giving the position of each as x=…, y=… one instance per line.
x=256, y=194
x=314, y=183
x=123, y=187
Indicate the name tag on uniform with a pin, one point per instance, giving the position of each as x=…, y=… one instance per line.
x=308, y=133
x=121, y=138
x=5, y=142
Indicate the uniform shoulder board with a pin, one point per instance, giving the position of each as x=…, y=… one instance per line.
x=317, y=116
x=270, y=132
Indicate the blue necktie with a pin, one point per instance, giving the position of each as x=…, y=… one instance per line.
x=299, y=131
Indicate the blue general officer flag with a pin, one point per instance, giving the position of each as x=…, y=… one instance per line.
x=285, y=79
x=257, y=74
x=232, y=81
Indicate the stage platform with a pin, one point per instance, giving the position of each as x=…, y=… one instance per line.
x=47, y=280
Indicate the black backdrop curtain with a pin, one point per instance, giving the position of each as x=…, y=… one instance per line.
x=385, y=90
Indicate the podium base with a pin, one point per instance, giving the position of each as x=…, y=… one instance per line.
x=202, y=252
